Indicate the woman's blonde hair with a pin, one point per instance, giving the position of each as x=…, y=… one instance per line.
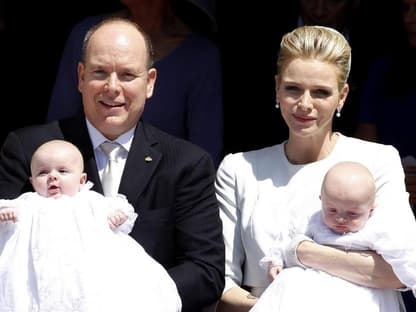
x=317, y=42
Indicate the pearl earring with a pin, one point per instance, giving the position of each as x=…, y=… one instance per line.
x=277, y=104
x=338, y=114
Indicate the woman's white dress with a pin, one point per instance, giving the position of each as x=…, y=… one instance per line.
x=62, y=256
x=260, y=192
x=306, y=289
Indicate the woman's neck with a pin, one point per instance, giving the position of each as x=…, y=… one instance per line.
x=159, y=21
x=156, y=17
x=304, y=150
x=150, y=15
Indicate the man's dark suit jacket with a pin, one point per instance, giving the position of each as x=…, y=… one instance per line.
x=170, y=183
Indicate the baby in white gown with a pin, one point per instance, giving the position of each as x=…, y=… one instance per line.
x=348, y=202
x=66, y=248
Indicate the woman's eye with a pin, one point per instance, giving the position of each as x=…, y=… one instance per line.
x=321, y=93
x=292, y=88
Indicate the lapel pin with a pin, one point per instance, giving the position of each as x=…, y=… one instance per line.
x=148, y=159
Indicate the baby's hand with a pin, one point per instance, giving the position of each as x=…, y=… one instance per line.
x=8, y=214
x=273, y=271
x=116, y=218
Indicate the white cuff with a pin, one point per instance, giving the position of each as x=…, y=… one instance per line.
x=291, y=257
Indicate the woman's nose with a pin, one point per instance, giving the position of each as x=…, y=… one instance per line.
x=305, y=102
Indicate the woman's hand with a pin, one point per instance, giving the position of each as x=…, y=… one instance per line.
x=236, y=299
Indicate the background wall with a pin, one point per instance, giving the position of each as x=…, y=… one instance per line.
x=248, y=36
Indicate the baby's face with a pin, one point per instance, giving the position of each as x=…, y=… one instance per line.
x=343, y=216
x=57, y=173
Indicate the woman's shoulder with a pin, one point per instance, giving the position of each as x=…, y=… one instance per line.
x=194, y=52
x=82, y=26
x=253, y=158
x=90, y=21
x=198, y=42
x=356, y=145
x=376, y=156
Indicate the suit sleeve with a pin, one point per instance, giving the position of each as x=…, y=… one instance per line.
x=199, y=237
x=14, y=168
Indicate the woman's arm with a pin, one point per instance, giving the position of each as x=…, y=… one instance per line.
x=236, y=299
x=368, y=268
x=365, y=268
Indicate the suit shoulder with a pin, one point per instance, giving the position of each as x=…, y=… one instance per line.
x=173, y=146
x=33, y=136
x=33, y=130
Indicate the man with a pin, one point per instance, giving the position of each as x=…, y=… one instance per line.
x=170, y=182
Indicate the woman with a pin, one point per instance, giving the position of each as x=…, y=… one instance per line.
x=386, y=88
x=281, y=183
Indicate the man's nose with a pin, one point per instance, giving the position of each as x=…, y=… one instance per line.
x=113, y=83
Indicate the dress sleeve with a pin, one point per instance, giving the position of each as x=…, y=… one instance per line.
x=370, y=97
x=65, y=98
x=393, y=225
x=206, y=92
x=225, y=185
x=395, y=241
x=7, y=203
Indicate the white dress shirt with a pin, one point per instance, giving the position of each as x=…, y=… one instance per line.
x=97, y=138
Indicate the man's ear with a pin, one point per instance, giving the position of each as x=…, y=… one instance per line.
x=80, y=71
x=151, y=79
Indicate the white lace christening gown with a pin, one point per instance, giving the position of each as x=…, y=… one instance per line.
x=61, y=256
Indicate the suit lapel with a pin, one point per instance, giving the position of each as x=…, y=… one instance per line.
x=81, y=139
x=141, y=163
